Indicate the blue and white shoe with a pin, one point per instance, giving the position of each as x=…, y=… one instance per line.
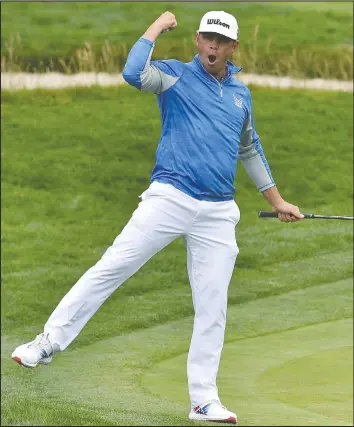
x=37, y=351
x=213, y=410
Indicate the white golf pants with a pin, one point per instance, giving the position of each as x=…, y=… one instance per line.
x=164, y=214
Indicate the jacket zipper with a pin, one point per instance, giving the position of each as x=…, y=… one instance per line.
x=219, y=83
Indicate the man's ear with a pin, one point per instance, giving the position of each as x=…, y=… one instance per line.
x=235, y=45
x=197, y=39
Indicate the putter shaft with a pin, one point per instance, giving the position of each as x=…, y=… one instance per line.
x=264, y=214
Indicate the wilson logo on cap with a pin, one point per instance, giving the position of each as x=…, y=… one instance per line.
x=217, y=22
x=220, y=22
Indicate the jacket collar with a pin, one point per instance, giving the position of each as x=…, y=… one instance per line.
x=231, y=68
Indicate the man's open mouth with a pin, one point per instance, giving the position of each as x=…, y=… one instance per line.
x=211, y=59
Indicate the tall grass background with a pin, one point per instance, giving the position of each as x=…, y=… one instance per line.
x=275, y=38
x=110, y=58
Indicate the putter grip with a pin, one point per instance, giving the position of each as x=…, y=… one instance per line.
x=263, y=214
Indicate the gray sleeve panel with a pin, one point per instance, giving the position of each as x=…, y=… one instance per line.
x=250, y=153
x=155, y=80
x=257, y=172
x=247, y=147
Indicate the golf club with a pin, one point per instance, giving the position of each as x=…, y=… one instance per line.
x=264, y=214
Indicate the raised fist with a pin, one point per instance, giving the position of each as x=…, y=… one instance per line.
x=167, y=21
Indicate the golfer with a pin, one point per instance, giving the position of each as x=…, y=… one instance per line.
x=207, y=125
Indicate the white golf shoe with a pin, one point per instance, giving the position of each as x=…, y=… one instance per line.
x=213, y=411
x=34, y=352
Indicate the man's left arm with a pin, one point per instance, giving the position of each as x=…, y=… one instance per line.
x=253, y=158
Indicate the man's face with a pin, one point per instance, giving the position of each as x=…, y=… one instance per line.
x=214, y=50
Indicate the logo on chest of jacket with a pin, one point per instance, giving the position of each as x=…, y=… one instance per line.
x=238, y=101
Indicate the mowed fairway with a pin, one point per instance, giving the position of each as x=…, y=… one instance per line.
x=74, y=163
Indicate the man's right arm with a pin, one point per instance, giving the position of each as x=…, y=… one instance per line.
x=166, y=22
x=138, y=71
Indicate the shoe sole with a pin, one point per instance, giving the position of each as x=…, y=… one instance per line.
x=230, y=420
x=19, y=361
x=27, y=365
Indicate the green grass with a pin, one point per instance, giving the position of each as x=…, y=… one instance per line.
x=292, y=368
x=325, y=6
x=277, y=38
x=296, y=376
x=73, y=165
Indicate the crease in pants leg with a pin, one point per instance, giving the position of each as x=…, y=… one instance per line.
x=190, y=267
x=131, y=250
x=212, y=253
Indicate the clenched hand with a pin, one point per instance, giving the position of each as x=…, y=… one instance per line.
x=166, y=22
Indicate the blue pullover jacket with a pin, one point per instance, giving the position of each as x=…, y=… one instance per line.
x=206, y=125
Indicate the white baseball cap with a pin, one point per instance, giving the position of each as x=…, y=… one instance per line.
x=219, y=22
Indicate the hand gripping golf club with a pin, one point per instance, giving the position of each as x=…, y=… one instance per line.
x=263, y=214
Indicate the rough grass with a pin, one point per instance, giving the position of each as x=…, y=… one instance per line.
x=280, y=38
